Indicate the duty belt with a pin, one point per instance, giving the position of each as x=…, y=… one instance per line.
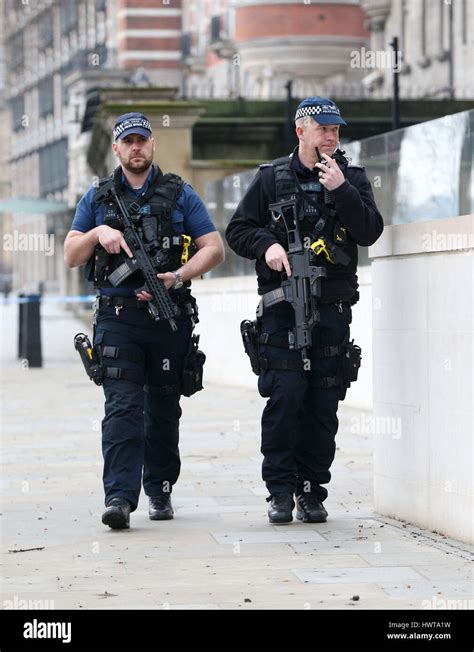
x=297, y=365
x=277, y=296
x=130, y=302
x=120, y=302
x=281, y=342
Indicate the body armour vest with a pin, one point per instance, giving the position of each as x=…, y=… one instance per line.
x=162, y=241
x=317, y=219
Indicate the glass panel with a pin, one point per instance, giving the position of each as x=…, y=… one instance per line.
x=423, y=172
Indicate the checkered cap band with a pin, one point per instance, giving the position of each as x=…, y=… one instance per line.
x=318, y=109
x=130, y=123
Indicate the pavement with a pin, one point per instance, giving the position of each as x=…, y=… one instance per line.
x=219, y=552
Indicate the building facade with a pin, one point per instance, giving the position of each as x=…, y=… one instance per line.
x=45, y=42
x=252, y=48
x=436, y=44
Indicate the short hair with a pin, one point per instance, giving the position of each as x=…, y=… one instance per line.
x=302, y=122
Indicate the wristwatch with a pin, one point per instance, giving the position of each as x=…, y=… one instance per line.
x=179, y=281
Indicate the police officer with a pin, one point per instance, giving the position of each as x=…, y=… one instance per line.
x=336, y=209
x=143, y=358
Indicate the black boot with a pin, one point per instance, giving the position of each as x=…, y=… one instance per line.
x=117, y=514
x=160, y=508
x=309, y=509
x=281, y=507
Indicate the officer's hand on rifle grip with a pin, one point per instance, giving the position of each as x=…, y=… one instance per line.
x=168, y=279
x=112, y=240
x=276, y=259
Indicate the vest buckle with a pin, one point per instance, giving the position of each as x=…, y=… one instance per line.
x=134, y=207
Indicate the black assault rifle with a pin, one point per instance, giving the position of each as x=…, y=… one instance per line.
x=160, y=306
x=303, y=287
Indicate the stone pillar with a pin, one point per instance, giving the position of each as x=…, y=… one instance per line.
x=377, y=12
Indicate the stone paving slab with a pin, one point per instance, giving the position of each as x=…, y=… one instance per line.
x=448, y=563
x=277, y=536
x=460, y=571
x=358, y=575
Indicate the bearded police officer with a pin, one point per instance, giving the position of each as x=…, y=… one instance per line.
x=336, y=212
x=143, y=358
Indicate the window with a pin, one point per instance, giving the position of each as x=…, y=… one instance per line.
x=101, y=52
x=45, y=31
x=3, y=69
x=424, y=60
x=46, y=97
x=443, y=33
x=185, y=45
x=65, y=89
x=69, y=15
x=215, y=28
x=464, y=21
x=53, y=167
x=423, y=28
x=404, y=24
x=17, y=51
x=17, y=108
x=442, y=23
x=404, y=41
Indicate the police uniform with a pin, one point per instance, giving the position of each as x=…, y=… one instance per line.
x=143, y=359
x=299, y=422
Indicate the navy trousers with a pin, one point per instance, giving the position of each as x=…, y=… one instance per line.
x=299, y=421
x=140, y=430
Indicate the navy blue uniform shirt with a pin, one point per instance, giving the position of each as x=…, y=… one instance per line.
x=190, y=216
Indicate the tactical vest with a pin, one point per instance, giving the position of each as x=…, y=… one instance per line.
x=317, y=216
x=155, y=207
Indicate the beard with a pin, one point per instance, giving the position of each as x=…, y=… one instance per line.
x=137, y=166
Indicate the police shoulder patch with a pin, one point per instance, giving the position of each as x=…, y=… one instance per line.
x=265, y=165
